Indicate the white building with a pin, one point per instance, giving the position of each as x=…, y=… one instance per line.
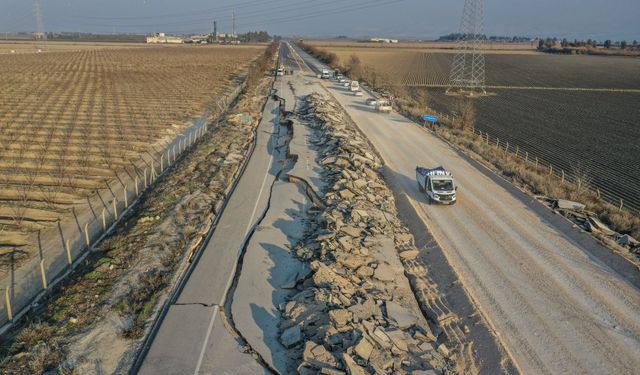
x=162, y=38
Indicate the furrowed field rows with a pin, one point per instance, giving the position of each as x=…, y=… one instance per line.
x=590, y=134
x=578, y=113
x=72, y=121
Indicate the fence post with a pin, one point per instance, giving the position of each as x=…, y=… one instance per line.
x=115, y=209
x=497, y=142
x=137, y=182
x=86, y=234
x=68, y=250
x=43, y=274
x=161, y=163
x=7, y=300
x=153, y=170
x=550, y=169
x=104, y=219
x=536, y=162
x=506, y=149
x=145, y=177
x=598, y=192
x=563, y=175
x=174, y=153
x=621, y=205
x=517, y=150
x=168, y=158
x=126, y=198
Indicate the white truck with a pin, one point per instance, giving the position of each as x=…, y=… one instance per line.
x=354, y=86
x=325, y=74
x=437, y=184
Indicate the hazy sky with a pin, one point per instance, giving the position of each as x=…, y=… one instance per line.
x=599, y=19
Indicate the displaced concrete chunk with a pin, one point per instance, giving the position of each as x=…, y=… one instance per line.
x=365, y=310
x=351, y=231
x=364, y=349
x=346, y=194
x=442, y=349
x=563, y=204
x=340, y=317
x=324, y=276
x=291, y=337
x=384, y=272
x=352, y=367
x=399, y=339
x=404, y=318
x=318, y=356
x=409, y=254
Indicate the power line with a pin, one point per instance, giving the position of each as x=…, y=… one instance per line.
x=245, y=15
x=201, y=12
x=270, y=21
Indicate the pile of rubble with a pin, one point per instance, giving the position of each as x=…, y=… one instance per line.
x=355, y=312
x=578, y=214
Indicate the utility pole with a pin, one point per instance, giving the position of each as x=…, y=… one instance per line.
x=468, y=69
x=233, y=24
x=37, y=10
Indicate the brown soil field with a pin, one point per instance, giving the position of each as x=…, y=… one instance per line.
x=59, y=46
x=432, y=46
x=69, y=121
x=578, y=113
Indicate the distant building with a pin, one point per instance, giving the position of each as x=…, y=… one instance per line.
x=162, y=38
x=383, y=40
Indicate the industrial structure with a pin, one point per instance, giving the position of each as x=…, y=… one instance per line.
x=468, y=68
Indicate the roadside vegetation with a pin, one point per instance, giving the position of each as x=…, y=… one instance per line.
x=98, y=316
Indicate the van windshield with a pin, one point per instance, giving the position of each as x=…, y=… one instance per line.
x=442, y=185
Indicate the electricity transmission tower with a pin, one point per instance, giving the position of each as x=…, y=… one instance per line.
x=40, y=35
x=468, y=69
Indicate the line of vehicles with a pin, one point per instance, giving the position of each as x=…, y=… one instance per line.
x=437, y=183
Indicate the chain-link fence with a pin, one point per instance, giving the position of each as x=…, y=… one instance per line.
x=60, y=249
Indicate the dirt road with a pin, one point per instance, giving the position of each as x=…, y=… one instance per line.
x=553, y=303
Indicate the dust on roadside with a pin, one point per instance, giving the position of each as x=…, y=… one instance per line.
x=95, y=320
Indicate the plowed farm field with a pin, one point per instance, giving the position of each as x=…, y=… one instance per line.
x=580, y=114
x=69, y=121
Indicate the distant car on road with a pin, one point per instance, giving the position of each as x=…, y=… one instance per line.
x=437, y=184
x=384, y=106
x=357, y=93
x=372, y=101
